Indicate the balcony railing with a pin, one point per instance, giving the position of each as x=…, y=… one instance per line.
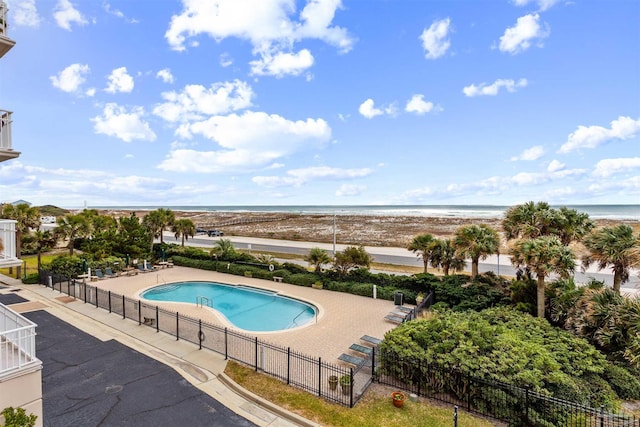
x=5, y=130
x=3, y=19
x=17, y=342
x=8, y=243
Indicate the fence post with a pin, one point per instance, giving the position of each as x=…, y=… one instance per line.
x=109, y=295
x=139, y=312
x=226, y=344
x=256, y=352
x=123, y=309
x=419, y=376
x=320, y=376
x=158, y=320
x=601, y=415
x=526, y=403
x=199, y=333
x=455, y=416
x=96, y=291
x=288, y=365
x=373, y=364
x=177, y=326
x=351, y=388
x=84, y=285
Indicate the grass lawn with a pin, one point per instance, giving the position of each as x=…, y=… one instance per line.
x=32, y=264
x=373, y=410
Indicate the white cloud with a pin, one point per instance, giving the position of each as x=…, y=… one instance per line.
x=607, y=167
x=25, y=13
x=298, y=177
x=418, y=105
x=493, y=88
x=518, y=38
x=349, y=190
x=269, y=25
x=119, y=81
x=435, y=39
x=592, y=136
x=71, y=78
x=125, y=125
x=195, y=101
x=65, y=14
x=542, y=4
x=368, y=110
x=90, y=92
x=532, y=153
x=225, y=60
x=248, y=141
x=555, y=166
x=116, y=12
x=165, y=75
x=282, y=64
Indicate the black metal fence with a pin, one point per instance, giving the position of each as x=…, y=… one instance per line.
x=311, y=374
x=516, y=405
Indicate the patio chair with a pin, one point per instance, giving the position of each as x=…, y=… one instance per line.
x=109, y=273
x=99, y=274
x=370, y=339
x=142, y=269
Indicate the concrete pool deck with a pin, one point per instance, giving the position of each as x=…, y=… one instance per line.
x=341, y=321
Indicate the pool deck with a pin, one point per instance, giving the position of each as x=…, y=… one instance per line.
x=342, y=318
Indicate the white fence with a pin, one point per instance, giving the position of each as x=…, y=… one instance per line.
x=17, y=341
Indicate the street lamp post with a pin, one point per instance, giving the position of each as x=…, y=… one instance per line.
x=334, y=235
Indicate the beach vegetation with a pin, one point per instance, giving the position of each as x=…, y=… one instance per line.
x=424, y=246
x=502, y=344
x=223, y=250
x=444, y=256
x=71, y=228
x=543, y=256
x=350, y=258
x=318, y=258
x=614, y=247
x=158, y=221
x=476, y=242
x=183, y=228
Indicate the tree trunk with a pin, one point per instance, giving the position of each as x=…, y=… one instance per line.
x=425, y=261
x=474, y=267
x=617, y=280
x=540, y=295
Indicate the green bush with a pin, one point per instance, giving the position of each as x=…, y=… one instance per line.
x=460, y=294
x=626, y=384
x=31, y=279
x=18, y=417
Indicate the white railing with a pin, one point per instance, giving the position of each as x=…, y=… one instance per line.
x=3, y=19
x=8, y=240
x=17, y=341
x=5, y=129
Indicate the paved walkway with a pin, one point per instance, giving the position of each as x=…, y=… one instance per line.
x=203, y=369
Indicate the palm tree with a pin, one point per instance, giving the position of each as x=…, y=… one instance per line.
x=317, y=257
x=44, y=240
x=71, y=227
x=185, y=228
x=223, y=249
x=27, y=218
x=154, y=222
x=476, y=242
x=532, y=220
x=613, y=246
x=528, y=221
x=423, y=245
x=543, y=255
x=167, y=218
x=444, y=256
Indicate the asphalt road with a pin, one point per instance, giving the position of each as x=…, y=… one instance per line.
x=393, y=256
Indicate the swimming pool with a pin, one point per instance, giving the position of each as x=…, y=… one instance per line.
x=247, y=308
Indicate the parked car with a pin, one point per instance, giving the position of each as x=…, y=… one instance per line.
x=200, y=230
x=215, y=233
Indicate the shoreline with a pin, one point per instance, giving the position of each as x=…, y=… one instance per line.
x=366, y=230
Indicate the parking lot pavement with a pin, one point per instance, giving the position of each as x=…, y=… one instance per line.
x=89, y=382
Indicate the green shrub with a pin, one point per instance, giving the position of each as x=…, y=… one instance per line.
x=624, y=383
x=31, y=279
x=18, y=417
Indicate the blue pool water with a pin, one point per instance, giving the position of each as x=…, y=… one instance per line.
x=247, y=308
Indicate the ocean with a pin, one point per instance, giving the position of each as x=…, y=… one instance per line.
x=615, y=212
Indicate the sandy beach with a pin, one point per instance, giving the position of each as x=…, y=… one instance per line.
x=367, y=230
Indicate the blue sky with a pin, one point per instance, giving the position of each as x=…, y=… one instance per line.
x=282, y=102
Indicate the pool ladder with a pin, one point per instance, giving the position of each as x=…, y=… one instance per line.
x=203, y=301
